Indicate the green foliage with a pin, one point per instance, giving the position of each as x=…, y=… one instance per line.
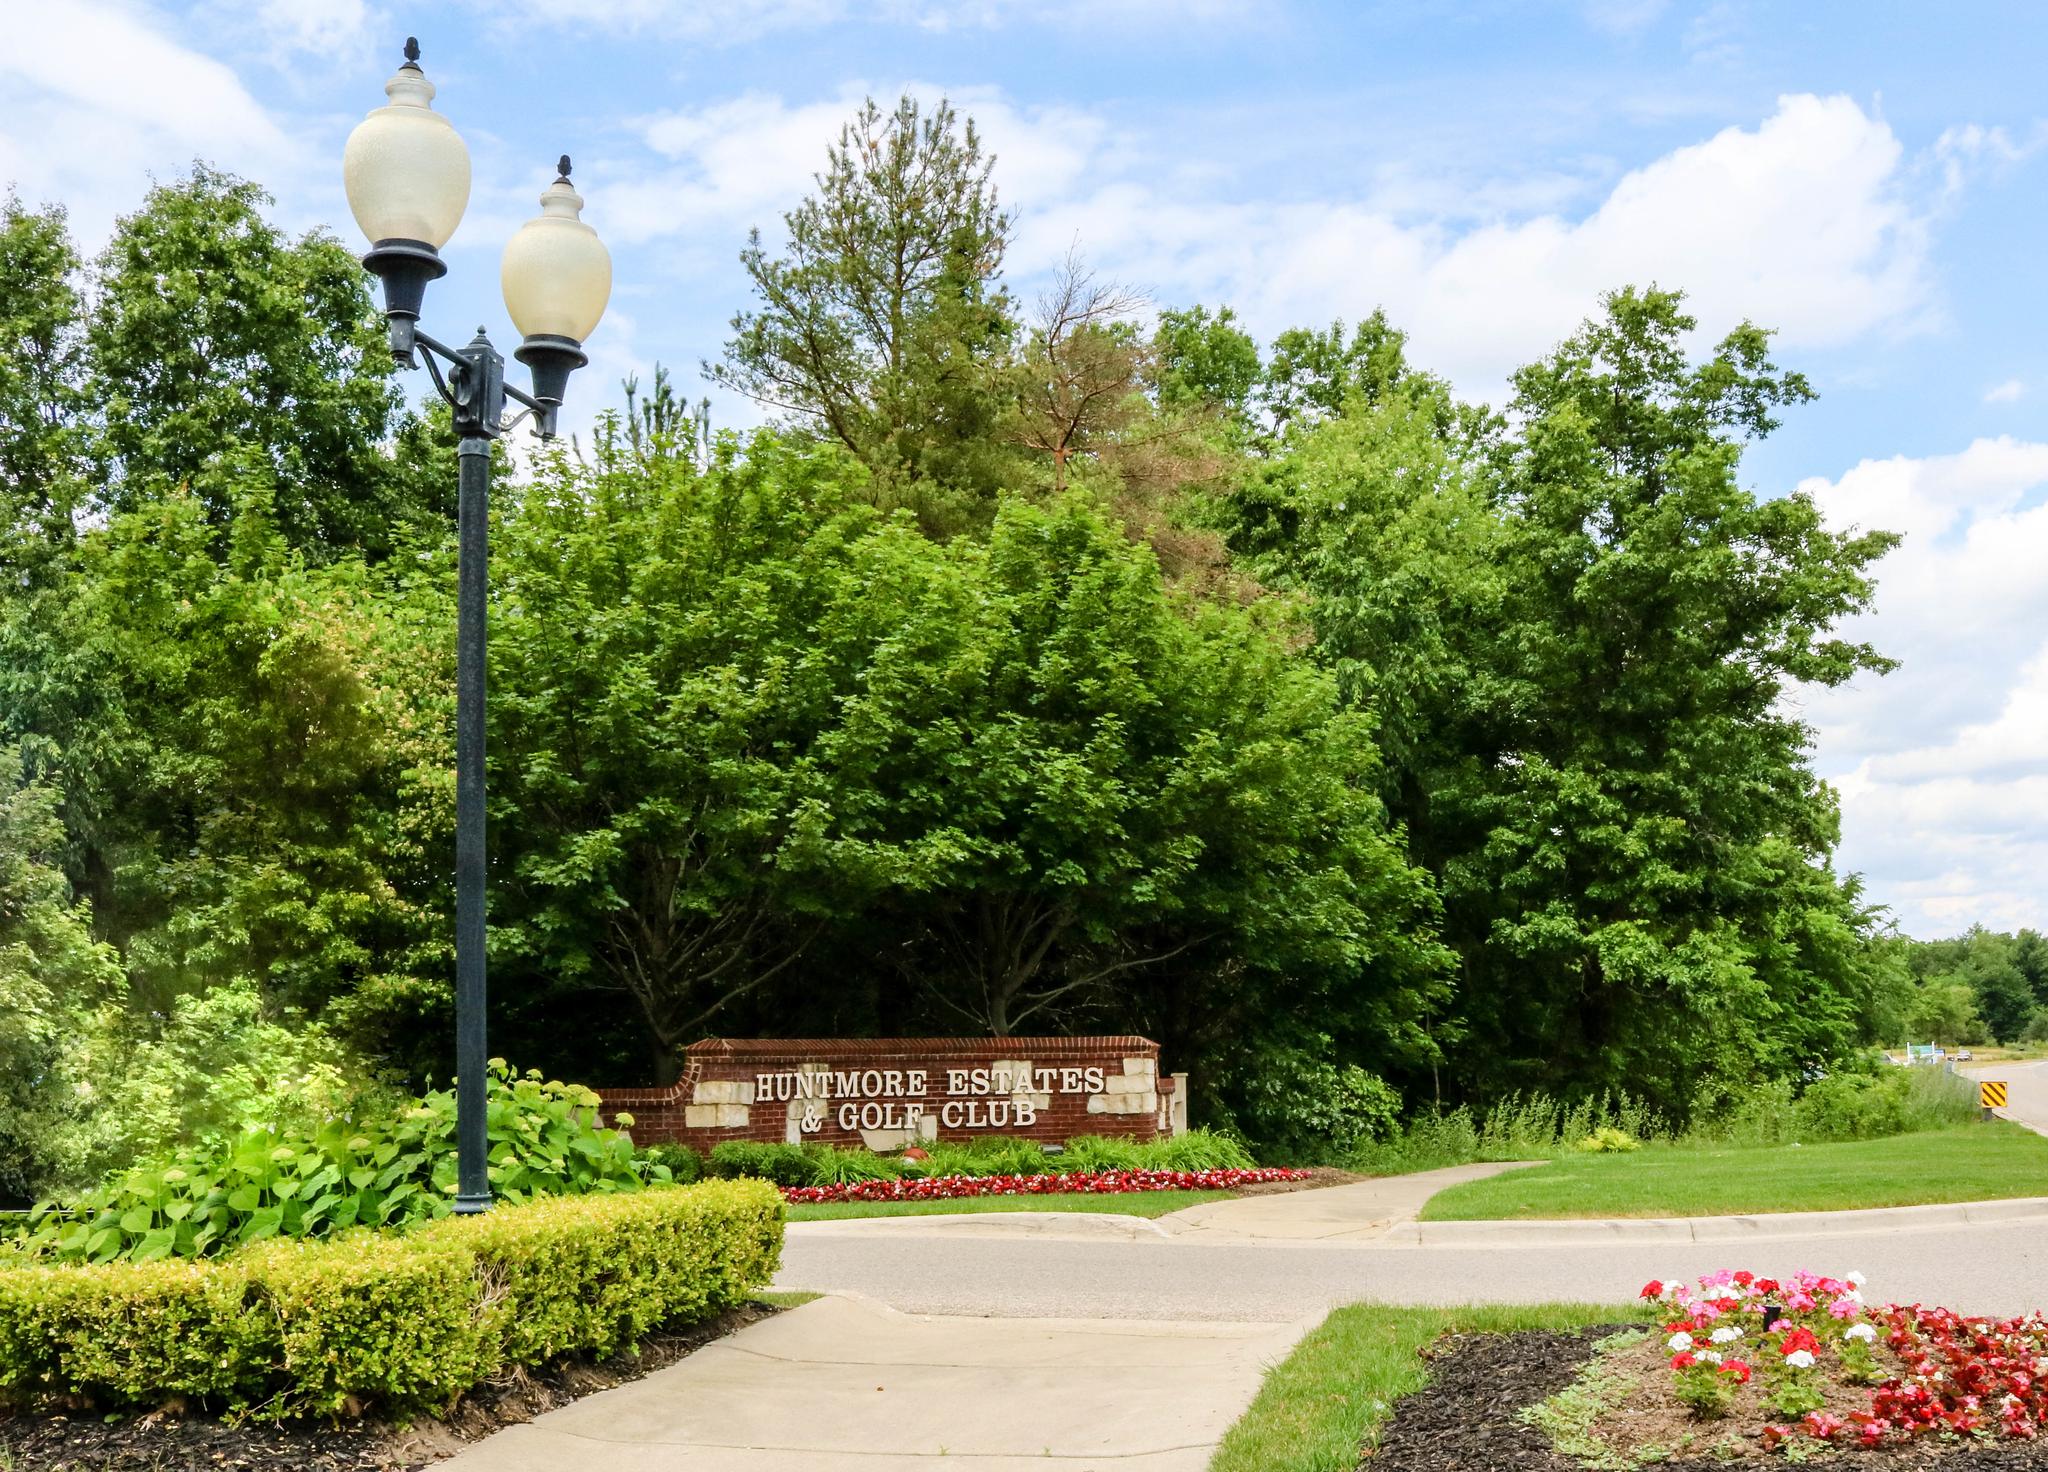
x=397, y=1323
x=1205, y=361
x=1301, y=1107
x=215, y=339
x=1607, y=1140
x=884, y=327
x=683, y=1164
x=379, y=1172
x=42, y=441
x=785, y=1165
x=53, y=975
x=1976, y=987
x=1577, y=641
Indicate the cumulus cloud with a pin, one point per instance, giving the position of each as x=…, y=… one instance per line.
x=1943, y=765
x=88, y=135
x=2004, y=393
x=1803, y=223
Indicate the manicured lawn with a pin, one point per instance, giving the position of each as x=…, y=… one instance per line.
x=1319, y=1405
x=1978, y=1162
x=1134, y=1203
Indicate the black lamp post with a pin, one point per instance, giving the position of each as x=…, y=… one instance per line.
x=407, y=174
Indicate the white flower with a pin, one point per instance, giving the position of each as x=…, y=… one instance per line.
x=1673, y=1287
x=1855, y=1280
x=1710, y=1357
x=1679, y=1343
x=1725, y=1335
x=1799, y=1359
x=1863, y=1332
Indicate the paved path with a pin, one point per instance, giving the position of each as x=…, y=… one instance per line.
x=843, y=1384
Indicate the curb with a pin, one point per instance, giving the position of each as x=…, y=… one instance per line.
x=1764, y=1227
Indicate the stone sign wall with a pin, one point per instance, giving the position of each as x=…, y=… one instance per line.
x=886, y=1093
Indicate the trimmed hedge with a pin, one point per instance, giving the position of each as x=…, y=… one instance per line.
x=398, y=1321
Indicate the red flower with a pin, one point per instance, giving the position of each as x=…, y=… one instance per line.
x=1745, y=1278
x=1685, y=1359
x=1798, y=1339
x=1824, y=1425
x=1767, y=1285
x=1738, y=1369
x=1775, y=1436
x=1652, y=1289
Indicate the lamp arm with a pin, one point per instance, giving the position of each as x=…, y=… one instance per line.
x=478, y=372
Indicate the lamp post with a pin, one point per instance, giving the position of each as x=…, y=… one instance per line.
x=406, y=170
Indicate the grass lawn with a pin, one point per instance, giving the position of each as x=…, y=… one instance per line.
x=1318, y=1406
x=1134, y=1203
x=1977, y=1162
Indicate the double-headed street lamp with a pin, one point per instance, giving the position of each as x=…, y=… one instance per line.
x=407, y=174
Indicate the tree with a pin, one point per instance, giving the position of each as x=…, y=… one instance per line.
x=1102, y=800
x=41, y=449
x=214, y=337
x=1081, y=374
x=1206, y=361
x=1577, y=644
x=885, y=326
x=53, y=975
x=660, y=683
x=1312, y=375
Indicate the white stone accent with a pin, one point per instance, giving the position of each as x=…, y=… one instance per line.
x=1141, y=1068
x=714, y=1116
x=1124, y=1101
x=723, y=1091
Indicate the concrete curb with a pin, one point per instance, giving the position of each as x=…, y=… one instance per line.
x=1764, y=1227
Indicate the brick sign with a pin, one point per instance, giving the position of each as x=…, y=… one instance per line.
x=887, y=1093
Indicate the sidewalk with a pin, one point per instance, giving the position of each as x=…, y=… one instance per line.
x=846, y=1383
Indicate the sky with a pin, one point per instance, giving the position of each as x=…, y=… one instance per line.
x=1868, y=179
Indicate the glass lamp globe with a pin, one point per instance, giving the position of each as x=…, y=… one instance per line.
x=556, y=273
x=405, y=167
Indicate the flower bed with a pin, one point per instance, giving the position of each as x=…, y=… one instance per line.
x=1747, y=1366
x=1080, y=1183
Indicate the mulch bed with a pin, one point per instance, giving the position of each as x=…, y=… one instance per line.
x=1465, y=1419
x=1317, y=1177
x=169, y=1441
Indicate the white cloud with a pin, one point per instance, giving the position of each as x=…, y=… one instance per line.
x=1943, y=765
x=2005, y=393
x=93, y=96
x=1801, y=223
x=743, y=162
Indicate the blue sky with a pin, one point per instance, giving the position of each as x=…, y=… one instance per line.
x=1867, y=178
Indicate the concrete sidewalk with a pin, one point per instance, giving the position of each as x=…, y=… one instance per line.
x=845, y=1383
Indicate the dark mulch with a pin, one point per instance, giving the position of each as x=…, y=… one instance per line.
x=1318, y=1176
x=170, y=1441
x=1464, y=1419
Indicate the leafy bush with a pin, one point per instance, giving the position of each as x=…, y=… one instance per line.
x=386, y=1321
x=1609, y=1140
x=683, y=1164
x=785, y=1165
x=835, y=1167
x=1003, y=1156
x=389, y=1173
x=1300, y=1107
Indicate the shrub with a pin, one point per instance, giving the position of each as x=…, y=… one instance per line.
x=1609, y=1140
x=785, y=1165
x=391, y=1321
x=544, y=1141
x=832, y=1166
x=683, y=1164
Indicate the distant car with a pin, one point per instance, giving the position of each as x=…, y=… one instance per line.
x=1964, y=1055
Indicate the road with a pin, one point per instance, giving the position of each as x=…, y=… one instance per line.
x=2028, y=1101
x=1980, y=1268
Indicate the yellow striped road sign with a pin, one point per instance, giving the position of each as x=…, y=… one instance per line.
x=1991, y=1094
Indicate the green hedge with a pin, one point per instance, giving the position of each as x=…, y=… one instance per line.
x=396, y=1321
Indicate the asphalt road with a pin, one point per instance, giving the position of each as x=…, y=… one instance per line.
x=1979, y=1268
x=2028, y=1099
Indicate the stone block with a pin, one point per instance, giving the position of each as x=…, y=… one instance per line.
x=715, y=1116
x=723, y=1091
x=1141, y=1067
